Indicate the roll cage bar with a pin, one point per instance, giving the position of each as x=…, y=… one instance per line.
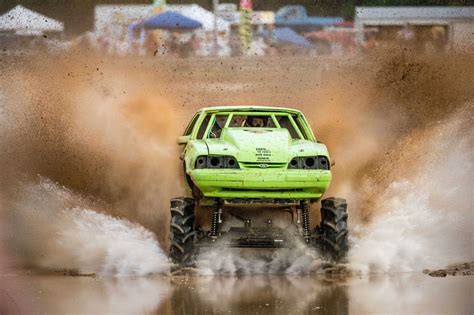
x=199, y=118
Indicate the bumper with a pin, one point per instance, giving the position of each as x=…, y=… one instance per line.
x=267, y=183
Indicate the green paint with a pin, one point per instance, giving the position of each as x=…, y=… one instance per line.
x=262, y=153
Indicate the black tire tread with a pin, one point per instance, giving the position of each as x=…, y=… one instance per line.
x=333, y=231
x=182, y=232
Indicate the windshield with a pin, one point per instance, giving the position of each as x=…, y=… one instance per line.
x=252, y=121
x=290, y=122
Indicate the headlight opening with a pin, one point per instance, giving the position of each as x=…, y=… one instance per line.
x=216, y=162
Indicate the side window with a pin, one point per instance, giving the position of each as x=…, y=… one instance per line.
x=270, y=123
x=190, y=127
x=219, y=123
x=203, y=127
x=299, y=123
x=285, y=122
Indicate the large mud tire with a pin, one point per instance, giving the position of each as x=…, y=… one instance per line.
x=182, y=231
x=333, y=231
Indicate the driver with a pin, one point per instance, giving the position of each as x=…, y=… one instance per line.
x=257, y=121
x=217, y=127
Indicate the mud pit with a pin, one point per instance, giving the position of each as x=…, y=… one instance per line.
x=89, y=164
x=257, y=294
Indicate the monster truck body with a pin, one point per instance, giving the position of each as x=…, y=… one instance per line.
x=267, y=156
x=281, y=160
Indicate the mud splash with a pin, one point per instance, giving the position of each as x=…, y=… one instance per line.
x=299, y=260
x=83, y=124
x=78, y=238
x=108, y=139
x=425, y=218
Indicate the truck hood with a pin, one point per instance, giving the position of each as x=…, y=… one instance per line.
x=262, y=145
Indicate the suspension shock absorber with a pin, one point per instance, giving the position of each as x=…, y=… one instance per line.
x=304, y=206
x=216, y=218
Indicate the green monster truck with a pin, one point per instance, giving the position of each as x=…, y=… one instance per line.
x=238, y=158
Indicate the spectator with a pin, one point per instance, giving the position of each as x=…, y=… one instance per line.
x=257, y=47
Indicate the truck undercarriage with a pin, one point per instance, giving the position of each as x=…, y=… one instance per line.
x=329, y=237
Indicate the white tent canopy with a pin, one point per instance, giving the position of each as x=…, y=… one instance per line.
x=198, y=13
x=27, y=22
x=109, y=16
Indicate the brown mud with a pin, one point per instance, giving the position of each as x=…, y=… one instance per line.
x=465, y=269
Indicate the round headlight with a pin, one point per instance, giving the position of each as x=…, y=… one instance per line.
x=201, y=162
x=215, y=161
x=294, y=163
x=323, y=163
x=310, y=162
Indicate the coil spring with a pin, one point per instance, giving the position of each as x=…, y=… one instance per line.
x=305, y=218
x=215, y=219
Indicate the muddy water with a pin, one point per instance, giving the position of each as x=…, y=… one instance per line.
x=394, y=294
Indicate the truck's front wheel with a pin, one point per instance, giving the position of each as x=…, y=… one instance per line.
x=333, y=231
x=182, y=232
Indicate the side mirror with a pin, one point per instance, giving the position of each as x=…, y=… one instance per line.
x=183, y=139
x=333, y=162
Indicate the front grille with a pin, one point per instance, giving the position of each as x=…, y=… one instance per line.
x=262, y=165
x=263, y=189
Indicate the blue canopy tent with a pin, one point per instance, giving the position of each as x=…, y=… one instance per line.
x=287, y=35
x=296, y=16
x=166, y=20
x=314, y=21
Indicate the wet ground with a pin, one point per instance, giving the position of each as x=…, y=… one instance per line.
x=413, y=293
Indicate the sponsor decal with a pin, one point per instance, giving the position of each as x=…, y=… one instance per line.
x=263, y=154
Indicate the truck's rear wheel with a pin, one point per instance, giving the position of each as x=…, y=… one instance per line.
x=182, y=232
x=333, y=232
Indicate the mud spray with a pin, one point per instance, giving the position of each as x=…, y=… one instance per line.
x=89, y=162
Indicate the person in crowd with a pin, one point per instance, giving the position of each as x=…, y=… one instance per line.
x=223, y=47
x=150, y=44
x=439, y=37
x=370, y=42
x=195, y=43
x=206, y=45
x=270, y=49
x=122, y=46
x=257, y=47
